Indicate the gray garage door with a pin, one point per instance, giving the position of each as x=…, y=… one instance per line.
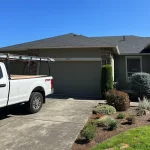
x=77, y=78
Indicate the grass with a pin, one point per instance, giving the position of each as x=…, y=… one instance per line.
x=133, y=139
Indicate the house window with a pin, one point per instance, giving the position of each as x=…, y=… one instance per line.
x=133, y=65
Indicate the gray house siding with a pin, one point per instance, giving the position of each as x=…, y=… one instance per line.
x=146, y=63
x=120, y=69
x=77, y=78
x=120, y=72
x=76, y=53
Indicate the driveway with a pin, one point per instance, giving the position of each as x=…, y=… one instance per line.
x=55, y=127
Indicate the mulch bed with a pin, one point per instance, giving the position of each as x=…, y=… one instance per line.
x=102, y=135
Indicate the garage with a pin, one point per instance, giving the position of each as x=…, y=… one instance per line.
x=77, y=78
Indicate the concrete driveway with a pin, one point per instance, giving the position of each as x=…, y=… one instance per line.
x=55, y=127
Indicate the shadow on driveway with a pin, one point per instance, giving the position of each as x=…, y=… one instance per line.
x=17, y=110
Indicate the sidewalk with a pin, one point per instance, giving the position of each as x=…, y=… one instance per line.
x=132, y=104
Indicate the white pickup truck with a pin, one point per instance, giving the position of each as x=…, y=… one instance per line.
x=28, y=89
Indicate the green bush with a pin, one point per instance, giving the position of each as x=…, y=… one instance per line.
x=131, y=119
x=106, y=79
x=108, y=123
x=113, y=125
x=140, y=84
x=88, y=132
x=93, y=122
x=118, y=99
x=103, y=122
x=104, y=109
x=120, y=116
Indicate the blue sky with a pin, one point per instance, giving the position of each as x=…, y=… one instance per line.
x=27, y=20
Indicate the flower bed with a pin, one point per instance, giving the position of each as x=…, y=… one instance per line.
x=102, y=134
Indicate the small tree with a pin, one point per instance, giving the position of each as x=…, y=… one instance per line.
x=106, y=79
x=140, y=84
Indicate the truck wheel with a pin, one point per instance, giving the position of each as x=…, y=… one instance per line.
x=35, y=103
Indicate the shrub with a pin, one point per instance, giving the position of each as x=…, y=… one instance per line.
x=106, y=79
x=144, y=104
x=108, y=123
x=97, y=116
x=103, y=122
x=140, y=112
x=120, y=116
x=104, y=109
x=113, y=125
x=144, y=107
x=140, y=84
x=93, y=122
x=131, y=119
x=118, y=99
x=88, y=132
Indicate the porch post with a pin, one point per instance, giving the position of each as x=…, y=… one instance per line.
x=110, y=61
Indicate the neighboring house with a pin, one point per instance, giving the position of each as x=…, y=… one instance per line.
x=77, y=70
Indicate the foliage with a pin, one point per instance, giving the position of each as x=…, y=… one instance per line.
x=120, y=116
x=93, y=122
x=140, y=112
x=144, y=104
x=104, y=109
x=131, y=119
x=88, y=132
x=144, y=107
x=107, y=122
x=131, y=137
x=118, y=99
x=140, y=84
x=106, y=79
x=113, y=125
x=103, y=122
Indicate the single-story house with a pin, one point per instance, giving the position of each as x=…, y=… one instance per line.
x=77, y=69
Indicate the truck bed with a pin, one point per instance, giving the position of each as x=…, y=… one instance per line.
x=16, y=77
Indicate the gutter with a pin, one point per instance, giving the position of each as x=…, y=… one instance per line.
x=135, y=54
x=115, y=48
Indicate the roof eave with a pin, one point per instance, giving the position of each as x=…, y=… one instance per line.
x=115, y=48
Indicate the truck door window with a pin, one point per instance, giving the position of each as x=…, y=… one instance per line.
x=1, y=73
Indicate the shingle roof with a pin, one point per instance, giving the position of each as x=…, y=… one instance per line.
x=131, y=44
x=62, y=41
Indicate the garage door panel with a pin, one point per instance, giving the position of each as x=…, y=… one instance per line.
x=77, y=78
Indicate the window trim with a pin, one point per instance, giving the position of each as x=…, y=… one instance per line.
x=132, y=57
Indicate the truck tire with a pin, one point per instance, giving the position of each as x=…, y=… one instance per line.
x=35, y=103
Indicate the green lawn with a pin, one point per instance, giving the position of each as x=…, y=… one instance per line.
x=133, y=139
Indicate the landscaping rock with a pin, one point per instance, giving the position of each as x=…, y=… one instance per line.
x=146, y=112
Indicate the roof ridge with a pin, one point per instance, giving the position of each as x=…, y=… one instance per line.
x=45, y=39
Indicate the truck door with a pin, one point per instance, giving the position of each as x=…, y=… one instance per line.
x=3, y=86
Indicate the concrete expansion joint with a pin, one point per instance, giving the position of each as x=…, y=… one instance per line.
x=50, y=120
